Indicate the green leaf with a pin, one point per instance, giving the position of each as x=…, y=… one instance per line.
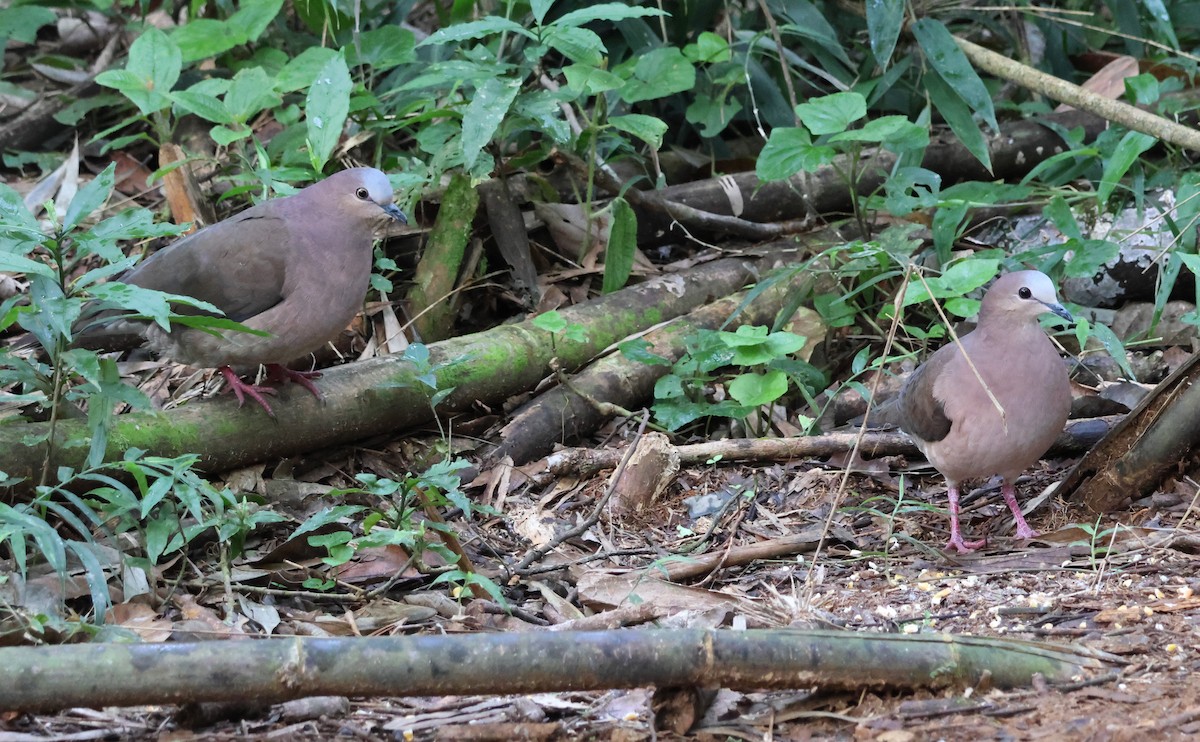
x=896, y=133
x=809, y=22
x=657, y=74
x=954, y=109
x=1133, y=144
x=251, y=91
x=328, y=104
x=383, y=48
x=754, y=345
x=207, y=107
x=960, y=278
x=73, y=113
x=225, y=135
x=605, y=12
x=911, y=188
x=711, y=114
x=97, y=579
x=781, y=344
x=201, y=38
x=954, y=68
x=544, y=109
x=108, y=391
x=591, y=80
x=326, y=516
x=577, y=44
x=1060, y=214
x=539, y=8
x=551, y=321
x=638, y=350
x=1143, y=89
x=482, y=118
x=754, y=390
x=303, y=69
x=15, y=220
x=90, y=198
x=710, y=48
x=746, y=336
x=1115, y=348
x=14, y=263
x=253, y=18
x=622, y=246
x=489, y=26
x=789, y=151
x=967, y=275
x=650, y=129
x=156, y=61
x=23, y=21
x=1089, y=256
x=962, y=307
x=135, y=89
x=884, y=19
x=831, y=114
x=1160, y=19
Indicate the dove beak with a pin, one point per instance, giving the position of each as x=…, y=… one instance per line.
x=397, y=215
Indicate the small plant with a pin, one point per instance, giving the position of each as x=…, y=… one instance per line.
x=54, y=262
x=1098, y=543
x=827, y=139
x=767, y=372
x=162, y=502
x=396, y=521
x=555, y=324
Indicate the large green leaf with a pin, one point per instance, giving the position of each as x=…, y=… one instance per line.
x=328, y=106
x=17, y=225
x=303, y=69
x=831, y=114
x=1133, y=144
x=659, y=73
x=155, y=63
x=955, y=69
x=958, y=115
x=251, y=91
x=489, y=26
x=482, y=118
x=201, y=38
x=382, y=48
x=23, y=21
x=789, y=151
x=754, y=390
x=90, y=198
x=577, y=44
x=650, y=129
x=208, y=107
x=622, y=246
x=605, y=12
x=884, y=19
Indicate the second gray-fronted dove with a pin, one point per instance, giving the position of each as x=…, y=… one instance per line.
x=946, y=408
x=296, y=268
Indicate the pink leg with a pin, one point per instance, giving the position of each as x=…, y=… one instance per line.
x=242, y=390
x=956, y=539
x=1010, y=497
x=280, y=373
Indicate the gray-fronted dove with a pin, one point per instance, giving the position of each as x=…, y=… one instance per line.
x=296, y=268
x=954, y=422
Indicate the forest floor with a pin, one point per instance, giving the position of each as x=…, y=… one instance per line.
x=1129, y=591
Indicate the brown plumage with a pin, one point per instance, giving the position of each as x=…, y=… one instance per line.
x=948, y=412
x=296, y=268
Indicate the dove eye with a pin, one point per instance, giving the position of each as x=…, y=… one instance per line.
x=362, y=193
x=1024, y=293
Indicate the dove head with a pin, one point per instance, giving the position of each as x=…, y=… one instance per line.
x=1023, y=294
x=363, y=193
